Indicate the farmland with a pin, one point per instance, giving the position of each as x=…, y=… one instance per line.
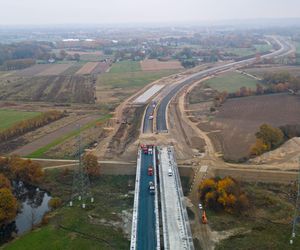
x=238, y=119
x=44, y=70
x=49, y=88
x=125, y=66
x=243, y=52
x=153, y=64
x=231, y=82
x=87, y=68
x=10, y=117
x=123, y=79
x=55, y=141
x=293, y=70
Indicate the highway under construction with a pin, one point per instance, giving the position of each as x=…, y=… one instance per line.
x=160, y=219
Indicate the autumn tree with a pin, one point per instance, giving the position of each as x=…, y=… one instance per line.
x=25, y=170
x=270, y=136
x=258, y=148
x=4, y=182
x=206, y=186
x=259, y=89
x=91, y=164
x=223, y=194
x=8, y=205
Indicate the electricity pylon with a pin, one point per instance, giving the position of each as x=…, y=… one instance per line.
x=81, y=183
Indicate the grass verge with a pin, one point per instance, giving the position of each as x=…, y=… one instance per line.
x=40, y=152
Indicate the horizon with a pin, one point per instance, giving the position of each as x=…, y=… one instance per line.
x=283, y=21
x=34, y=12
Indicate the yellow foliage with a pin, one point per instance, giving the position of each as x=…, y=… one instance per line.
x=55, y=202
x=223, y=194
x=8, y=205
x=259, y=147
x=225, y=184
x=208, y=183
x=4, y=182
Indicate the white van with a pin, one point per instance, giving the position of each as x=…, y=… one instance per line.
x=170, y=173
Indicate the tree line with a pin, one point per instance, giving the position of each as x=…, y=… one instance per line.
x=24, y=50
x=22, y=127
x=271, y=83
x=15, y=169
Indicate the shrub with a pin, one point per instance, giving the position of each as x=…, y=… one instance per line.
x=55, y=202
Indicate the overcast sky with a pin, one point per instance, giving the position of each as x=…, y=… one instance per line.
x=135, y=11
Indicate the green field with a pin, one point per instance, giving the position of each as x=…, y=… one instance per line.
x=41, y=151
x=231, y=82
x=10, y=117
x=263, y=47
x=128, y=74
x=125, y=66
x=132, y=79
x=77, y=228
x=241, y=52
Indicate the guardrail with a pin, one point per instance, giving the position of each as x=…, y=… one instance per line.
x=163, y=207
x=156, y=202
x=136, y=204
x=182, y=205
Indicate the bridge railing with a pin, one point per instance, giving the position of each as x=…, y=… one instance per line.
x=187, y=228
x=163, y=206
x=156, y=202
x=135, y=213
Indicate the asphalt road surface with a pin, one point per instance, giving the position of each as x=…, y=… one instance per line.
x=146, y=232
x=148, y=123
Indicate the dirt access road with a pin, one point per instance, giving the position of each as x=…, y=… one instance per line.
x=45, y=140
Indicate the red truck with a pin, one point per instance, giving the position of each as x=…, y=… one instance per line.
x=150, y=170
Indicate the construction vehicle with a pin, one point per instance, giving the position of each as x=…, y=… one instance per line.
x=204, y=218
x=144, y=149
x=150, y=170
x=151, y=187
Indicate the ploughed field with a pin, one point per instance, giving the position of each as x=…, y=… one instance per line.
x=154, y=64
x=44, y=70
x=234, y=126
x=74, y=89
